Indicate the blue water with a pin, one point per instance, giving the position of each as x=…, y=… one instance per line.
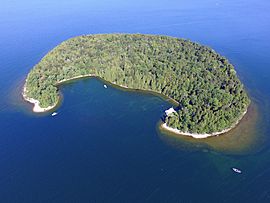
x=104, y=145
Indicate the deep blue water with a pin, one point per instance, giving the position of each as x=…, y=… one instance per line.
x=104, y=145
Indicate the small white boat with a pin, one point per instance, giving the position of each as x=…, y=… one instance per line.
x=236, y=170
x=54, y=113
x=105, y=86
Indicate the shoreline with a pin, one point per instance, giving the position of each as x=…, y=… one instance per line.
x=145, y=90
x=38, y=109
x=201, y=136
x=75, y=77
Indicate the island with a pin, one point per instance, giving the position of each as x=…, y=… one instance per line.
x=210, y=98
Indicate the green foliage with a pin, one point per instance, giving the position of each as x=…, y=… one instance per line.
x=211, y=97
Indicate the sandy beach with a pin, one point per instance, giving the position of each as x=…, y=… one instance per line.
x=37, y=108
x=200, y=136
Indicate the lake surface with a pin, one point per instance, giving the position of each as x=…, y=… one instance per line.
x=104, y=145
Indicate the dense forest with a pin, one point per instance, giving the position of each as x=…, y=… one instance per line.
x=211, y=97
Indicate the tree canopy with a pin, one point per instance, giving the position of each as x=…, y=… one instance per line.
x=210, y=95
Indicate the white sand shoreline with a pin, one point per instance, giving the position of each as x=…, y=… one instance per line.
x=200, y=136
x=37, y=108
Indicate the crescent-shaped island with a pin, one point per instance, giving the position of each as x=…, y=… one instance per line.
x=210, y=98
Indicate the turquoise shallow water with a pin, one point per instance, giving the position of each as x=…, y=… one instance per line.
x=104, y=145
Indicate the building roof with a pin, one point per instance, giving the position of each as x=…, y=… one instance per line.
x=170, y=111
